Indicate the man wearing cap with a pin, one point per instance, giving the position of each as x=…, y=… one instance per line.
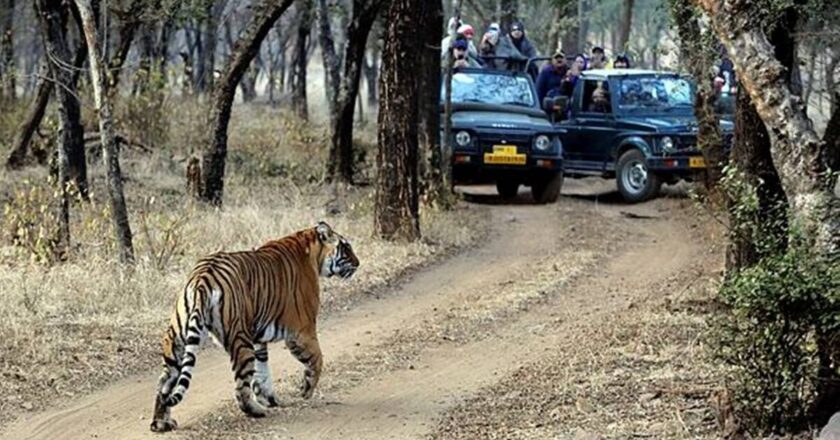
x=552, y=76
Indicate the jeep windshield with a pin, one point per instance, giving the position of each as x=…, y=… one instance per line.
x=488, y=88
x=651, y=94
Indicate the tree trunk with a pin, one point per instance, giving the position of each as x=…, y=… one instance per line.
x=7, y=54
x=127, y=30
x=53, y=23
x=802, y=159
x=570, y=34
x=340, y=165
x=119, y=213
x=371, y=71
x=332, y=76
x=428, y=87
x=442, y=157
x=625, y=25
x=507, y=14
x=20, y=145
x=266, y=13
x=697, y=56
x=751, y=156
x=300, y=59
x=397, y=208
x=207, y=49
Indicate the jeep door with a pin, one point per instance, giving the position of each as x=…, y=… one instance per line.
x=596, y=124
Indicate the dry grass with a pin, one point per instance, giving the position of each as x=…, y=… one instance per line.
x=80, y=324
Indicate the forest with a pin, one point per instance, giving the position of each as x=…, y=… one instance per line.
x=138, y=136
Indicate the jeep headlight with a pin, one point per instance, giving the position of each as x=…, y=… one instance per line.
x=667, y=144
x=463, y=139
x=542, y=142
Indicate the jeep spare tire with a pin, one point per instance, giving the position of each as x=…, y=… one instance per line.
x=547, y=190
x=635, y=182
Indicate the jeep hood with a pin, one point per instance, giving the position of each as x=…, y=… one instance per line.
x=491, y=120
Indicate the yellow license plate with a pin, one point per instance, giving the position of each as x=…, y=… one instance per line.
x=505, y=155
x=697, y=162
x=504, y=150
x=504, y=159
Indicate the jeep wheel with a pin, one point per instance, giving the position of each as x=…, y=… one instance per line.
x=635, y=182
x=508, y=189
x=547, y=190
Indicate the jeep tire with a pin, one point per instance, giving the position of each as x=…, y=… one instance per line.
x=507, y=188
x=547, y=190
x=635, y=182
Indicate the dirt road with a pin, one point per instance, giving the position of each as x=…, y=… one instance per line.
x=398, y=361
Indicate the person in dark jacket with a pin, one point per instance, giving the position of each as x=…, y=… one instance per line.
x=621, y=62
x=522, y=44
x=551, y=76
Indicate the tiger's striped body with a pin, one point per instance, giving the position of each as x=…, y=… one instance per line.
x=246, y=300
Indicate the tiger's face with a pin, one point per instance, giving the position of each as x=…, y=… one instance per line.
x=338, y=256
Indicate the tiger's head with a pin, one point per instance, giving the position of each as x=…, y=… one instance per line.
x=337, y=256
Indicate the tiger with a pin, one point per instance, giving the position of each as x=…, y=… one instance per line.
x=246, y=300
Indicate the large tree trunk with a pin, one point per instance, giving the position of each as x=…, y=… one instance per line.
x=801, y=157
x=397, y=204
x=340, y=165
x=300, y=59
x=697, y=56
x=428, y=87
x=7, y=52
x=119, y=213
x=53, y=23
x=571, y=33
x=266, y=13
x=332, y=75
x=625, y=25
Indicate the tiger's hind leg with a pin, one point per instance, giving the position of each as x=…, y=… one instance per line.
x=244, y=360
x=162, y=420
x=306, y=349
x=263, y=383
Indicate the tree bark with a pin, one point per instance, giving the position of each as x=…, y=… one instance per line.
x=798, y=153
x=7, y=54
x=428, y=89
x=571, y=34
x=27, y=128
x=697, y=54
x=119, y=213
x=127, y=30
x=397, y=203
x=332, y=76
x=340, y=165
x=300, y=59
x=266, y=13
x=203, y=81
x=625, y=25
x=802, y=159
x=53, y=24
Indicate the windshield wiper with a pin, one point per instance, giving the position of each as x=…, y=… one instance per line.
x=517, y=103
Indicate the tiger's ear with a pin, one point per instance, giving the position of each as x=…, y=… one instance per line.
x=324, y=231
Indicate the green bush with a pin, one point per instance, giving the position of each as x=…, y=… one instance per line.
x=768, y=335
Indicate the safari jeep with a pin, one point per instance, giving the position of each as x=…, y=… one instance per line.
x=500, y=135
x=636, y=126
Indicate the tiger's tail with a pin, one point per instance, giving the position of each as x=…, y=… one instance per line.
x=196, y=330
